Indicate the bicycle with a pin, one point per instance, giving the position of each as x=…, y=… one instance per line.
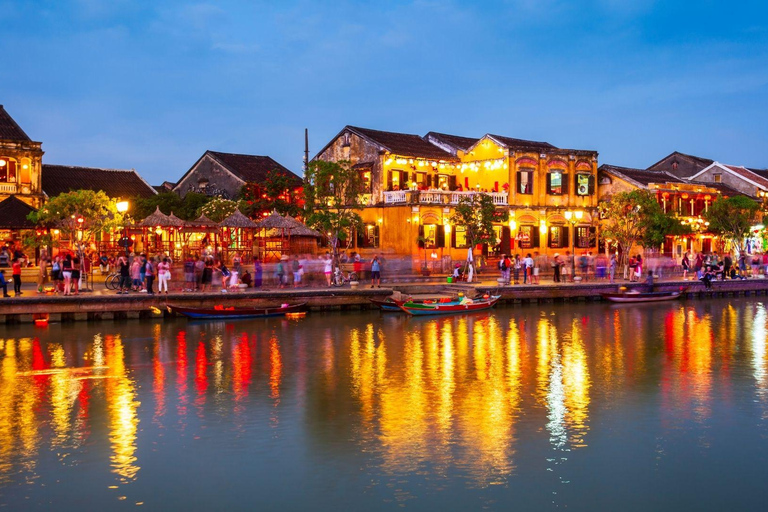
x=112, y=281
x=339, y=279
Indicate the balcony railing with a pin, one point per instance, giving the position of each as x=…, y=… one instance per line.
x=438, y=197
x=7, y=188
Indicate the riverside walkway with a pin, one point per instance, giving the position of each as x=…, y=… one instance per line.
x=102, y=304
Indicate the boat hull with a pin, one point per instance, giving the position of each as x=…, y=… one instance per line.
x=235, y=313
x=448, y=308
x=625, y=298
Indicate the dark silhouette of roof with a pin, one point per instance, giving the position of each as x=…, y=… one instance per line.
x=13, y=214
x=521, y=143
x=703, y=162
x=252, y=168
x=114, y=182
x=456, y=141
x=641, y=176
x=402, y=144
x=9, y=129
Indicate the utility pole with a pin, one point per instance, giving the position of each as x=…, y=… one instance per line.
x=306, y=150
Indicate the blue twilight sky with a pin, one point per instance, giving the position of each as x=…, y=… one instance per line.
x=153, y=84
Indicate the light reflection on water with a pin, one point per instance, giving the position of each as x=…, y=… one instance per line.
x=407, y=412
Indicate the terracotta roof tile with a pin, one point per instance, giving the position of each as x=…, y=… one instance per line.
x=521, y=143
x=747, y=174
x=13, y=214
x=641, y=176
x=9, y=130
x=456, y=141
x=252, y=168
x=403, y=144
x=114, y=182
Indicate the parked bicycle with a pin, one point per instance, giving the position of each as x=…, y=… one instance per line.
x=340, y=279
x=112, y=281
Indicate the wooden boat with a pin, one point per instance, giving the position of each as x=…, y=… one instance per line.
x=625, y=297
x=390, y=304
x=455, y=306
x=230, y=312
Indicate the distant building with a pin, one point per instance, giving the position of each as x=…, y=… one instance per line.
x=688, y=200
x=116, y=183
x=681, y=165
x=224, y=174
x=749, y=182
x=414, y=182
x=20, y=163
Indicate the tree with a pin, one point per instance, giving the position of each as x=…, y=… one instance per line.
x=636, y=217
x=185, y=208
x=477, y=213
x=80, y=216
x=732, y=217
x=277, y=192
x=218, y=209
x=332, y=197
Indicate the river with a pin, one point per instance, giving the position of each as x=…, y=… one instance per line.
x=535, y=407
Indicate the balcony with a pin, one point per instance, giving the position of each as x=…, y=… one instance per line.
x=438, y=197
x=7, y=188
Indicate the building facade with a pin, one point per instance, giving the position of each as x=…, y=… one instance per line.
x=413, y=184
x=20, y=163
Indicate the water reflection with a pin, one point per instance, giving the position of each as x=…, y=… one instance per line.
x=452, y=398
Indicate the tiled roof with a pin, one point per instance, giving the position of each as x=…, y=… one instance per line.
x=9, y=130
x=700, y=160
x=640, y=176
x=458, y=142
x=722, y=188
x=252, y=168
x=403, y=144
x=13, y=214
x=749, y=175
x=760, y=172
x=114, y=182
x=520, y=143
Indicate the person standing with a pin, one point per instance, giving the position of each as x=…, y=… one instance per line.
x=727, y=264
x=685, y=263
x=150, y=270
x=207, y=278
x=136, y=274
x=42, y=276
x=328, y=268
x=565, y=268
x=66, y=272
x=76, y=275
x=199, y=268
x=163, y=275
x=16, y=266
x=189, y=274
x=528, y=269
x=556, y=267
x=3, y=283
x=612, y=268
x=125, y=275
x=296, y=270
x=502, y=267
x=516, y=266
x=375, y=271
x=257, y=273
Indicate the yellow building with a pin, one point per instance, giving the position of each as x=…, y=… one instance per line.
x=414, y=182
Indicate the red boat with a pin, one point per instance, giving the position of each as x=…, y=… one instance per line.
x=231, y=312
x=456, y=306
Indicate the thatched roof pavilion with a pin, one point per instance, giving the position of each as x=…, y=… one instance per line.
x=175, y=221
x=238, y=220
x=284, y=235
x=202, y=222
x=157, y=218
x=286, y=223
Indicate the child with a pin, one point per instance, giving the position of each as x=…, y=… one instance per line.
x=16, y=277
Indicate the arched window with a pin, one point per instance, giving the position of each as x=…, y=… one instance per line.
x=7, y=170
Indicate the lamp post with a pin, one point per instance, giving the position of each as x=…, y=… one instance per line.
x=573, y=217
x=122, y=207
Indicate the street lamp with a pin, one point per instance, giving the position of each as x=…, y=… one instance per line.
x=122, y=207
x=573, y=217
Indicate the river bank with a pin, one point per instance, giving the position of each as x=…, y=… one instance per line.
x=103, y=305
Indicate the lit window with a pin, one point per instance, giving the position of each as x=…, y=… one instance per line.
x=718, y=178
x=525, y=181
x=7, y=170
x=557, y=183
x=584, y=185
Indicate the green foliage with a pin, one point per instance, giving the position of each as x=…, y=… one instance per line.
x=636, y=217
x=218, y=209
x=478, y=213
x=732, y=217
x=276, y=192
x=332, y=196
x=83, y=211
x=185, y=208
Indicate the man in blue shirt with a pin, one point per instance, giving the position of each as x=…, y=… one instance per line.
x=4, y=284
x=375, y=271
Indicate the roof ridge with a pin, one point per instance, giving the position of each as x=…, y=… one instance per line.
x=238, y=154
x=108, y=169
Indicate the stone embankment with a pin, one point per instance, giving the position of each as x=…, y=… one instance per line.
x=95, y=307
